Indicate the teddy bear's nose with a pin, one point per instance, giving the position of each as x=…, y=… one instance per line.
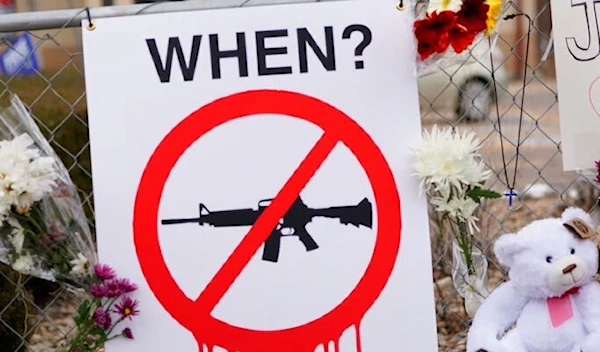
x=569, y=268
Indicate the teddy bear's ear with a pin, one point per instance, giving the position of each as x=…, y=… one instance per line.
x=579, y=222
x=506, y=247
x=572, y=213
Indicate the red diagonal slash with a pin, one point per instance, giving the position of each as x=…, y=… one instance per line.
x=263, y=226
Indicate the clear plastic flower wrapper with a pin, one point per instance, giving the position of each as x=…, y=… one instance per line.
x=43, y=228
x=472, y=286
x=449, y=32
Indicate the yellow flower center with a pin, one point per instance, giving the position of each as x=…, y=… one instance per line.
x=127, y=311
x=445, y=3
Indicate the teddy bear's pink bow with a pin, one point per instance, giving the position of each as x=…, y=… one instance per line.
x=560, y=307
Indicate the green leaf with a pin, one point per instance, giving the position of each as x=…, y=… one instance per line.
x=98, y=332
x=82, y=312
x=477, y=193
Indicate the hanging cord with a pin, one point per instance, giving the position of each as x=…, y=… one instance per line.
x=511, y=188
x=91, y=25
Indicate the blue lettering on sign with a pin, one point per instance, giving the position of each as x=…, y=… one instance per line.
x=19, y=58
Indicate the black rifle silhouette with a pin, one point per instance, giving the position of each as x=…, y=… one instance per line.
x=295, y=219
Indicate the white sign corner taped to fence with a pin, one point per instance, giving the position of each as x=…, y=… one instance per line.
x=577, y=51
x=251, y=172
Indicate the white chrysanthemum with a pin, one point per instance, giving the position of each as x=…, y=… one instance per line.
x=4, y=209
x=17, y=235
x=80, y=265
x=447, y=159
x=25, y=176
x=444, y=5
x=459, y=208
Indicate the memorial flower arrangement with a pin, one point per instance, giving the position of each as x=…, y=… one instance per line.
x=451, y=26
x=100, y=318
x=43, y=229
x=449, y=167
x=44, y=232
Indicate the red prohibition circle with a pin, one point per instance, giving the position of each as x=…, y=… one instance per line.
x=188, y=312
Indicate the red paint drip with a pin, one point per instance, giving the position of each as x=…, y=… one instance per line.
x=336, y=344
x=297, y=347
x=358, y=342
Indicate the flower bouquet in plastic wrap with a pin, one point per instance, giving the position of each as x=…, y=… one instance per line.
x=449, y=167
x=43, y=229
x=446, y=31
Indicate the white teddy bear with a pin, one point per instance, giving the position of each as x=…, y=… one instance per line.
x=552, y=295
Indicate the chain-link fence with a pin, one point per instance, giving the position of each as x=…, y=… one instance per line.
x=36, y=315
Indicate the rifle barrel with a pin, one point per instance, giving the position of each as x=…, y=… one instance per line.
x=180, y=221
x=236, y=217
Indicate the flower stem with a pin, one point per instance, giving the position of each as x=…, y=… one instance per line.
x=466, y=245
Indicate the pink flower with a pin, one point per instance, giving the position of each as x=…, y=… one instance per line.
x=113, y=288
x=104, y=272
x=107, y=289
x=127, y=333
x=127, y=308
x=125, y=285
x=102, y=318
x=598, y=168
x=99, y=290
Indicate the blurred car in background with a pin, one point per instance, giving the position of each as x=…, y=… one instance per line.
x=465, y=85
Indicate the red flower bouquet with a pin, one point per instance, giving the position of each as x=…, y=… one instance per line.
x=443, y=28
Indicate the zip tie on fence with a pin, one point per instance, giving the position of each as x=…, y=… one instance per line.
x=548, y=47
x=91, y=25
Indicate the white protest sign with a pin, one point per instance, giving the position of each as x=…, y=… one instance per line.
x=252, y=174
x=575, y=27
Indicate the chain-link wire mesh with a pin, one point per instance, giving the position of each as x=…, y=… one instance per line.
x=36, y=315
